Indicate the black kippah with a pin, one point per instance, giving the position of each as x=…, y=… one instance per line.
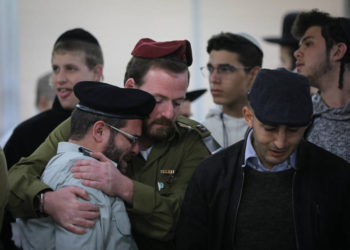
x=111, y=101
x=77, y=34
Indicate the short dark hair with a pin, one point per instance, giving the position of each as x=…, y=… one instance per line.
x=248, y=54
x=314, y=18
x=138, y=67
x=82, y=121
x=93, y=52
x=331, y=31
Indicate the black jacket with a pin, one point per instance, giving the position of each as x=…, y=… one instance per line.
x=28, y=135
x=321, y=200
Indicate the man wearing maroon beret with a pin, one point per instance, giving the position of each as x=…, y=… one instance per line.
x=155, y=183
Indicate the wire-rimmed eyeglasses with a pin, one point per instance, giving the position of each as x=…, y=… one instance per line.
x=132, y=138
x=221, y=69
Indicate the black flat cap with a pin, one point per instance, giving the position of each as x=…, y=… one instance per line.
x=77, y=34
x=281, y=97
x=111, y=101
x=194, y=94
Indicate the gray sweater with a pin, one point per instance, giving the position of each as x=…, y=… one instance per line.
x=331, y=128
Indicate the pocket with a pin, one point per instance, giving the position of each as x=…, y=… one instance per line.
x=164, y=183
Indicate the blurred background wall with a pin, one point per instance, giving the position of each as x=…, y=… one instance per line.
x=28, y=30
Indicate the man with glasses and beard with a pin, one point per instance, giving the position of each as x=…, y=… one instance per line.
x=153, y=188
x=107, y=120
x=323, y=57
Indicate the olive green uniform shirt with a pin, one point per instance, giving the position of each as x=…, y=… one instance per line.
x=4, y=186
x=159, y=183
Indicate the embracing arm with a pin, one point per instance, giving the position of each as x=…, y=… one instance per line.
x=24, y=177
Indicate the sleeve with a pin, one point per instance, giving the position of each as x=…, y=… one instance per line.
x=192, y=231
x=24, y=177
x=13, y=148
x=4, y=186
x=345, y=219
x=157, y=212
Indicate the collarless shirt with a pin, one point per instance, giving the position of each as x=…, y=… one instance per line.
x=252, y=160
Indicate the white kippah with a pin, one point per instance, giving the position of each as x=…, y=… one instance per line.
x=251, y=39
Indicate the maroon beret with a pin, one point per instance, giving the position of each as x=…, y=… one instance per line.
x=148, y=48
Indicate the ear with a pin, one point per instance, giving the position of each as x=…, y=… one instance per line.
x=248, y=115
x=100, y=132
x=252, y=74
x=130, y=84
x=338, y=51
x=98, y=71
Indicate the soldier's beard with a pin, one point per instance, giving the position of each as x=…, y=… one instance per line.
x=158, y=133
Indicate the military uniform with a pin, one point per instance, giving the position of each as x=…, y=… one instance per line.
x=4, y=186
x=159, y=183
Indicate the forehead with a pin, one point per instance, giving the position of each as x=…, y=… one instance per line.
x=160, y=82
x=68, y=57
x=217, y=57
x=314, y=32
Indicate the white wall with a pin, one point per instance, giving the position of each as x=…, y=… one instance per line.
x=118, y=25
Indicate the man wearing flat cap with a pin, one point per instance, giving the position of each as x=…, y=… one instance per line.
x=324, y=58
x=108, y=120
x=153, y=188
x=272, y=190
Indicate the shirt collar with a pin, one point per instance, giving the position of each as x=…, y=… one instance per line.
x=252, y=160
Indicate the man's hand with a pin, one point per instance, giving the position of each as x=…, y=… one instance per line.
x=103, y=175
x=66, y=210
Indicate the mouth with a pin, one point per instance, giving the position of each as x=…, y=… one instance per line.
x=299, y=66
x=278, y=153
x=161, y=124
x=215, y=92
x=64, y=92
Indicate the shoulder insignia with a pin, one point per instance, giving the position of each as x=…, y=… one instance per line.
x=211, y=144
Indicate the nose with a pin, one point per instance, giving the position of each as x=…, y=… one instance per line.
x=297, y=53
x=59, y=77
x=168, y=110
x=280, y=139
x=214, y=77
x=135, y=148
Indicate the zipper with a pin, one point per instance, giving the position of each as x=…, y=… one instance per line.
x=317, y=221
x=293, y=205
x=239, y=201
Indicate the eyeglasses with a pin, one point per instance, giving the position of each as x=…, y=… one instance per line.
x=132, y=138
x=222, y=69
